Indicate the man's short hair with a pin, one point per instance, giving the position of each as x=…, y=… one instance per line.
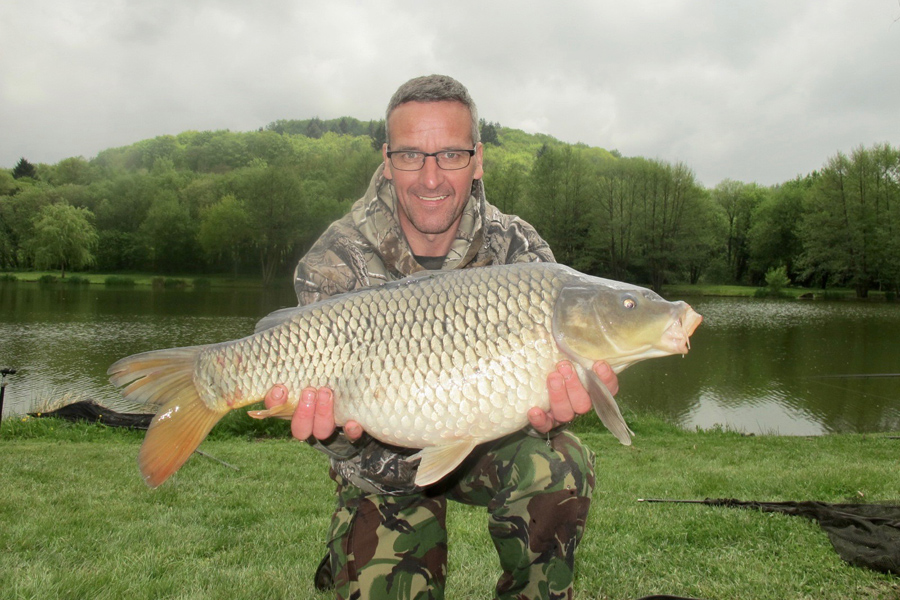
x=433, y=88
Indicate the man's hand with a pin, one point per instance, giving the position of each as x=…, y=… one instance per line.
x=314, y=415
x=568, y=398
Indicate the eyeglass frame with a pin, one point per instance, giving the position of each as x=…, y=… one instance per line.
x=425, y=155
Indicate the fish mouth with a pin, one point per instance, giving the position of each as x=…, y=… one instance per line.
x=677, y=336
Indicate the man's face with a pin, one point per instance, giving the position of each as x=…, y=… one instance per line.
x=431, y=199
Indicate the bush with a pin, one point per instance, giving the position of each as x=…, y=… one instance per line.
x=114, y=280
x=777, y=280
x=78, y=280
x=172, y=283
x=8, y=277
x=201, y=284
x=48, y=279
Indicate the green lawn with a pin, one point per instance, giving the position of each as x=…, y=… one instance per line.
x=78, y=522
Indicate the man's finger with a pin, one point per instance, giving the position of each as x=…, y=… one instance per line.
x=607, y=376
x=302, y=421
x=560, y=406
x=579, y=400
x=353, y=430
x=323, y=421
x=276, y=396
x=540, y=421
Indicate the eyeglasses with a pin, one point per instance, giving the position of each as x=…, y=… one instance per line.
x=449, y=160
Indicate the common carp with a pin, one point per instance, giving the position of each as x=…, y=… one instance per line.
x=442, y=360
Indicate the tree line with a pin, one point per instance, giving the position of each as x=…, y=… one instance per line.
x=253, y=202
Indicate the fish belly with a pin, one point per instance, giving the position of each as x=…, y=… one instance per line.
x=448, y=357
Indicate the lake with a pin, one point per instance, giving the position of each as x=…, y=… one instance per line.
x=758, y=366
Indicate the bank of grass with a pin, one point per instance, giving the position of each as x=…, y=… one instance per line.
x=141, y=279
x=789, y=293
x=79, y=523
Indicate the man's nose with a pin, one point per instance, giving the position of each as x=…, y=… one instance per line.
x=431, y=174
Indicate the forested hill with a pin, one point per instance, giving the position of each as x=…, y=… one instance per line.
x=253, y=202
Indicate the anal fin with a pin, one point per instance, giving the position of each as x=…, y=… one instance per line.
x=438, y=461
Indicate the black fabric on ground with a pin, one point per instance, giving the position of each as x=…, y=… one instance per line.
x=864, y=535
x=88, y=410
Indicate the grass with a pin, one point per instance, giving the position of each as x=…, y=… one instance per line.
x=79, y=523
x=684, y=289
x=140, y=279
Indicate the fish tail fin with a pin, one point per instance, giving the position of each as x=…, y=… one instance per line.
x=164, y=378
x=606, y=408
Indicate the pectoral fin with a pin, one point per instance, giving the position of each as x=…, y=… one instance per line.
x=606, y=408
x=282, y=411
x=438, y=461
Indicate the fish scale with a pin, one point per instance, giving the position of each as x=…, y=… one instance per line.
x=441, y=361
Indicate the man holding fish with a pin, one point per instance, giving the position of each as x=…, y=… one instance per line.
x=425, y=209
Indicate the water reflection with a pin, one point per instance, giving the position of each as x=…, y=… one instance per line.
x=755, y=366
x=62, y=339
x=779, y=367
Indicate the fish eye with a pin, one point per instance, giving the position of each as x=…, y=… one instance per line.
x=629, y=303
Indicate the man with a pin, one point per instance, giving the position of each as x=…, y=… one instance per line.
x=425, y=209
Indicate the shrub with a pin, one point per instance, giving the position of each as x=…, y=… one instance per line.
x=8, y=277
x=48, y=279
x=171, y=282
x=118, y=280
x=201, y=284
x=777, y=280
x=78, y=280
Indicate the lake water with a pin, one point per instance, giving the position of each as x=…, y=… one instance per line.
x=757, y=366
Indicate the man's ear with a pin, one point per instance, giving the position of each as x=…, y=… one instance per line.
x=387, y=162
x=479, y=161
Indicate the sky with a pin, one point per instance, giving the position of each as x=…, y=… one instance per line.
x=754, y=91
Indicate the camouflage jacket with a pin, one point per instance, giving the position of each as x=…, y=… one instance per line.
x=367, y=247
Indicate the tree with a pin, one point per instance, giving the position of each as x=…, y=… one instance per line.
x=63, y=237
x=669, y=197
x=169, y=235
x=773, y=239
x=849, y=225
x=738, y=201
x=377, y=134
x=560, y=205
x=489, y=133
x=277, y=213
x=225, y=230
x=24, y=169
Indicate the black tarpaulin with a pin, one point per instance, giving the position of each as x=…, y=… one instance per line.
x=88, y=410
x=864, y=535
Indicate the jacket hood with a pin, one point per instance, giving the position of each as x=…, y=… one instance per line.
x=375, y=217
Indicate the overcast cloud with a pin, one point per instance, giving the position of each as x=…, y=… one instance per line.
x=758, y=90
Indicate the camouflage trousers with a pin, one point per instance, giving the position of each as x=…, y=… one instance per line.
x=537, y=494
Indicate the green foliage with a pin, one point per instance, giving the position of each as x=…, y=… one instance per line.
x=777, y=279
x=489, y=133
x=24, y=169
x=8, y=277
x=48, y=279
x=174, y=283
x=849, y=225
x=119, y=280
x=63, y=237
x=253, y=202
x=737, y=201
x=77, y=280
